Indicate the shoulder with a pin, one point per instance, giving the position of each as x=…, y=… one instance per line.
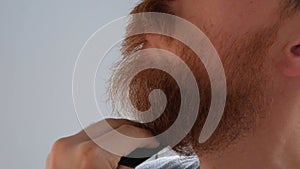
x=172, y=162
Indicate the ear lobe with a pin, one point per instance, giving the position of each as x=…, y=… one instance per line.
x=290, y=64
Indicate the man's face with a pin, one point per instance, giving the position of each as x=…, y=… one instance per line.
x=232, y=17
x=246, y=34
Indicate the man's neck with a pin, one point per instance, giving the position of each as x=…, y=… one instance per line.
x=276, y=146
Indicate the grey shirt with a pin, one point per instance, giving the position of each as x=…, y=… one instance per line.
x=172, y=162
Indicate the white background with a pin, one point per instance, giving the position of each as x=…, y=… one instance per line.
x=39, y=43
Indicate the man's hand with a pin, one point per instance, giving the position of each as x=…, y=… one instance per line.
x=80, y=152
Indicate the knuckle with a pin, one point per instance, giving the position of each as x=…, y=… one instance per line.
x=90, y=153
x=87, y=150
x=87, y=154
x=57, y=151
x=60, y=144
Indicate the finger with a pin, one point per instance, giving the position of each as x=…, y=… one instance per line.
x=90, y=156
x=123, y=146
x=100, y=128
x=109, y=148
x=123, y=167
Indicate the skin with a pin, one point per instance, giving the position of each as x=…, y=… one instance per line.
x=274, y=144
x=79, y=151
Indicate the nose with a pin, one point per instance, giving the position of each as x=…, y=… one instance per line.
x=296, y=50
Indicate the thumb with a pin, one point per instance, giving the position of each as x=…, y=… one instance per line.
x=125, y=139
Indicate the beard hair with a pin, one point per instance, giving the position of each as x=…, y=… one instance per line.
x=247, y=70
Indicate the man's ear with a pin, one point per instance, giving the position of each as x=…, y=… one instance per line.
x=290, y=64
